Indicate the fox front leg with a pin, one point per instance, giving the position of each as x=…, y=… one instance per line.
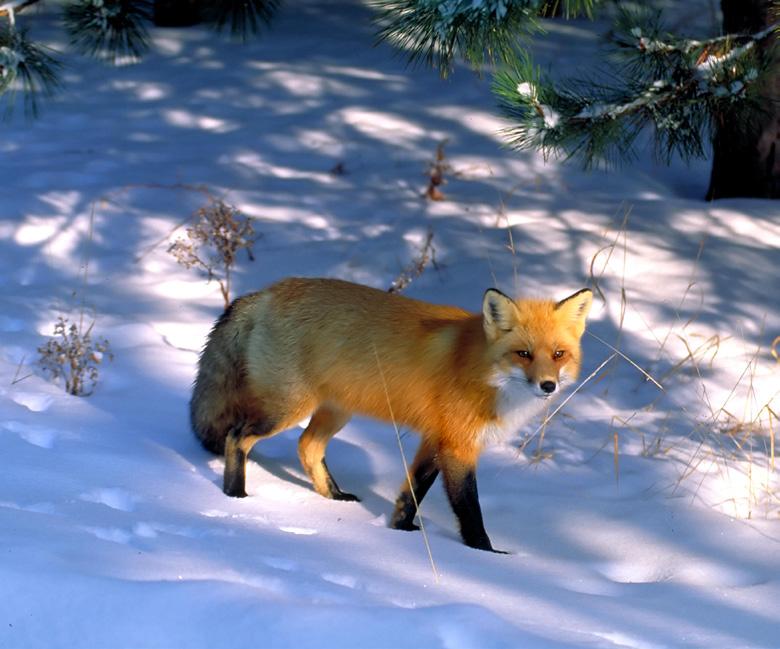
x=460, y=482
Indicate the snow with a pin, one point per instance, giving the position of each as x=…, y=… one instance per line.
x=9, y=62
x=114, y=531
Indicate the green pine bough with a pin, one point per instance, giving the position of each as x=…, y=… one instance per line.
x=679, y=87
x=111, y=30
x=27, y=65
x=437, y=32
x=107, y=29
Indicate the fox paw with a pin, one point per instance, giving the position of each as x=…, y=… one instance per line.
x=343, y=495
x=235, y=493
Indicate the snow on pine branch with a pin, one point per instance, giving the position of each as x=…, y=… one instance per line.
x=641, y=40
x=110, y=29
x=678, y=87
x=480, y=31
x=25, y=65
x=9, y=64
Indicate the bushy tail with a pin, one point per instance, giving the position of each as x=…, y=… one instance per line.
x=212, y=439
x=213, y=410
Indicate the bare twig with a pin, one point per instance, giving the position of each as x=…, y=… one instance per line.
x=414, y=269
x=436, y=173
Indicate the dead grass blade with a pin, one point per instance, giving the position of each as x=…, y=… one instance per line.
x=406, y=467
x=772, y=435
x=16, y=378
x=566, y=400
x=611, y=248
x=626, y=358
x=617, y=461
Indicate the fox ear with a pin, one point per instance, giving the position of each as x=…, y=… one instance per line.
x=499, y=313
x=575, y=308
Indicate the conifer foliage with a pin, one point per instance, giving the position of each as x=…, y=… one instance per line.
x=679, y=87
x=479, y=31
x=23, y=63
x=687, y=93
x=111, y=30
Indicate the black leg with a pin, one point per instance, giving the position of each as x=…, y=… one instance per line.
x=239, y=441
x=235, y=466
x=461, y=486
x=423, y=476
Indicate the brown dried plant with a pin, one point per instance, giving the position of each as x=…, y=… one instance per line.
x=416, y=267
x=222, y=230
x=74, y=355
x=437, y=169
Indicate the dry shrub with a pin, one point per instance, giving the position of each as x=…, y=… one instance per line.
x=73, y=354
x=212, y=243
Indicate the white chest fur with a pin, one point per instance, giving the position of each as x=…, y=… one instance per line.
x=516, y=406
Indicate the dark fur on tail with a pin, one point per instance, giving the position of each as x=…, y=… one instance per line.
x=217, y=388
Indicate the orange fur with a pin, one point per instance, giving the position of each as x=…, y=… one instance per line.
x=333, y=348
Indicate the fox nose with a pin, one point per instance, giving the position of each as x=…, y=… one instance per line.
x=547, y=386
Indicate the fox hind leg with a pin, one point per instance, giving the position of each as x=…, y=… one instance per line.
x=239, y=441
x=326, y=421
x=422, y=473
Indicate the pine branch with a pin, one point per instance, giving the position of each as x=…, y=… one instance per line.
x=437, y=31
x=243, y=17
x=109, y=29
x=25, y=64
x=679, y=87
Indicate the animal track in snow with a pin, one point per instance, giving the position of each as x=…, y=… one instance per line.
x=619, y=639
x=302, y=531
x=218, y=513
x=685, y=570
x=635, y=572
x=33, y=401
x=41, y=436
x=280, y=563
x=150, y=530
x=119, y=499
x=348, y=581
x=38, y=508
x=113, y=534
x=592, y=585
x=214, y=513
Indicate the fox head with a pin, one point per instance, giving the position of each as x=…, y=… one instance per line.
x=536, y=341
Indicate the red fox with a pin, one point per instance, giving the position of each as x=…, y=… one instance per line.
x=328, y=348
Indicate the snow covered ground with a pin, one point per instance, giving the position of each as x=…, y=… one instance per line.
x=641, y=517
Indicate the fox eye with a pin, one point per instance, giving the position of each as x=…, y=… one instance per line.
x=524, y=353
x=559, y=354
